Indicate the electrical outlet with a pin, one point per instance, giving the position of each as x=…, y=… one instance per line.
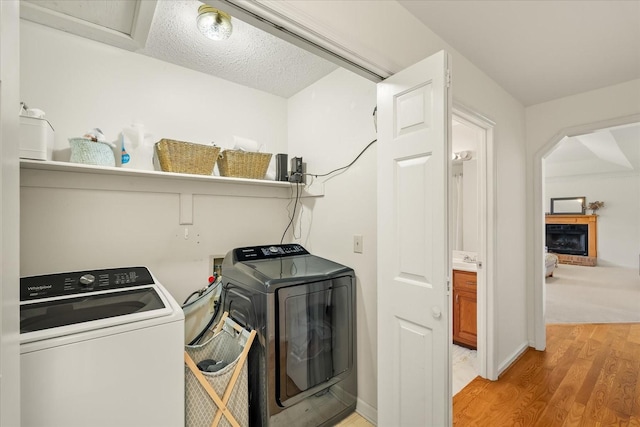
x=357, y=243
x=296, y=174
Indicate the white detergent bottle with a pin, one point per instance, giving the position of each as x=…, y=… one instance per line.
x=136, y=147
x=146, y=151
x=129, y=143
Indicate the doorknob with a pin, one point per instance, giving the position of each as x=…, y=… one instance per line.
x=435, y=312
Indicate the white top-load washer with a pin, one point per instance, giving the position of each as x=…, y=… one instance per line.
x=100, y=348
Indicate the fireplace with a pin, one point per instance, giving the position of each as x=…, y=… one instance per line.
x=573, y=238
x=569, y=239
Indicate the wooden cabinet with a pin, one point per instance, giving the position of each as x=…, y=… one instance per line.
x=465, y=318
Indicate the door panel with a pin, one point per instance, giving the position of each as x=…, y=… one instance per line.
x=412, y=109
x=413, y=250
x=416, y=343
x=413, y=219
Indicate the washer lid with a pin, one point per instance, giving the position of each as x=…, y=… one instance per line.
x=298, y=267
x=56, y=313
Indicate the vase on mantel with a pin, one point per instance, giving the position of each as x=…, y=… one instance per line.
x=595, y=206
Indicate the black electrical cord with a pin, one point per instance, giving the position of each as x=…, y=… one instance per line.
x=294, y=212
x=344, y=167
x=375, y=125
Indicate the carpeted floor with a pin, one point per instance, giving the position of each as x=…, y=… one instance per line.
x=592, y=295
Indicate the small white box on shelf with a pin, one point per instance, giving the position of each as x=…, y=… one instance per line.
x=36, y=138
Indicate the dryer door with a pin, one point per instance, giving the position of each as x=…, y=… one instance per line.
x=315, y=337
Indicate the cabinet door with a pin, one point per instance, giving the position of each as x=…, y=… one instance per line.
x=465, y=318
x=465, y=322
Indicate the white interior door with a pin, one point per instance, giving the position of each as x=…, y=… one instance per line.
x=414, y=122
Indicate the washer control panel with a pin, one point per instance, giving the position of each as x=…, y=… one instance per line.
x=266, y=252
x=78, y=282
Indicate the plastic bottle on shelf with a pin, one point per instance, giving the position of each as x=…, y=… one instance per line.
x=136, y=147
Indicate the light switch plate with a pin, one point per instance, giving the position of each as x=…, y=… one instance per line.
x=357, y=243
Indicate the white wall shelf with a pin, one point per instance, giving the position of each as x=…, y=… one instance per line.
x=52, y=174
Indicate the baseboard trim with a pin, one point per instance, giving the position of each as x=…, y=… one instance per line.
x=512, y=359
x=367, y=411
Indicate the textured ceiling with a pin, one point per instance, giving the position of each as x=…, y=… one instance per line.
x=250, y=57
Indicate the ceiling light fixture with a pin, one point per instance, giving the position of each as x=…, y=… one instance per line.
x=213, y=23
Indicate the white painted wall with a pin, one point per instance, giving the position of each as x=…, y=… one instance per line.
x=547, y=124
x=68, y=229
x=466, y=137
x=355, y=25
x=9, y=216
x=618, y=221
x=82, y=84
x=330, y=122
x=470, y=205
x=545, y=121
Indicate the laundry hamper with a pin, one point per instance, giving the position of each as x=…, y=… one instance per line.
x=219, y=398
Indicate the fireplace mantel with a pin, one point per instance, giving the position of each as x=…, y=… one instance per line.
x=591, y=222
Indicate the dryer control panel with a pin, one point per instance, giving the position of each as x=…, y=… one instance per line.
x=78, y=282
x=266, y=252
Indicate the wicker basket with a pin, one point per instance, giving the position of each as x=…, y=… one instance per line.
x=186, y=157
x=90, y=152
x=242, y=164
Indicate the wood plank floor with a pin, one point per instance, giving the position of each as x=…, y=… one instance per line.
x=354, y=420
x=588, y=376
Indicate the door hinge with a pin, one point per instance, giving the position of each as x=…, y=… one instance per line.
x=448, y=77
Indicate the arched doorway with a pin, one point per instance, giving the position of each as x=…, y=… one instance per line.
x=539, y=216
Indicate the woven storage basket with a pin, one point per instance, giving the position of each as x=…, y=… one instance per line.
x=186, y=157
x=242, y=164
x=200, y=409
x=90, y=152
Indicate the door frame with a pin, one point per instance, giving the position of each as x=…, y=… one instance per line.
x=538, y=220
x=9, y=213
x=487, y=349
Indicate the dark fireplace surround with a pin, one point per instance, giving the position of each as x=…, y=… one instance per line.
x=573, y=238
x=569, y=239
